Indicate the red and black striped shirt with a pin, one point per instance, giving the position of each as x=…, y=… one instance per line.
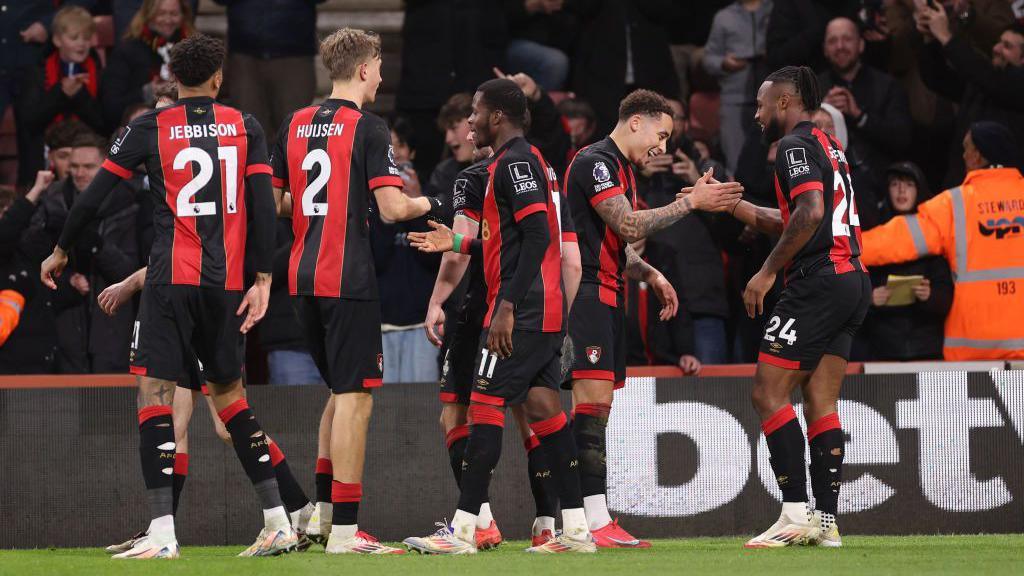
x=331, y=157
x=521, y=183
x=197, y=154
x=809, y=160
x=600, y=171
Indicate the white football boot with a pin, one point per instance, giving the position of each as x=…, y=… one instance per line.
x=794, y=527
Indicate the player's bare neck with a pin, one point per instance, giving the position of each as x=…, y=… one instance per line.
x=620, y=138
x=796, y=119
x=196, y=92
x=351, y=91
x=506, y=134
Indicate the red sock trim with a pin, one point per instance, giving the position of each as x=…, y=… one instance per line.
x=823, y=424
x=486, y=415
x=342, y=492
x=276, y=456
x=181, y=464
x=152, y=412
x=549, y=426
x=456, y=434
x=778, y=420
x=231, y=411
x=598, y=410
x=531, y=443
x=324, y=466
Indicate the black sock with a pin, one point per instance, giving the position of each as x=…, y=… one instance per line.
x=156, y=451
x=324, y=476
x=456, y=440
x=483, y=451
x=180, y=475
x=560, y=450
x=827, y=447
x=288, y=487
x=346, y=498
x=251, y=448
x=542, y=483
x=588, y=429
x=786, y=446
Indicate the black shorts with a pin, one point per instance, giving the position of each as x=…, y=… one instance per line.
x=175, y=320
x=192, y=377
x=461, y=357
x=535, y=361
x=597, y=334
x=816, y=315
x=344, y=339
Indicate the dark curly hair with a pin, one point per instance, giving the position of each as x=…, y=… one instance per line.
x=196, y=59
x=643, y=102
x=803, y=80
x=504, y=95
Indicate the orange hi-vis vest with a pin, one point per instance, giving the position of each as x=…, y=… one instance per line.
x=979, y=228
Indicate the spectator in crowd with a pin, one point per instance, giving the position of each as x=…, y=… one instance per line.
x=137, y=68
x=623, y=46
x=447, y=47
x=453, y=121
x=403, y=145
x=912, y=330
x=89, y=341
x=831, y=121
x=985, y=89
x=58, y=139
x=405, y=279
x=123, y=11
x=872, y=102
x=796, y=30
x=271, y=45
x=701, y=280
x=735, y=54
x=541, y=34
x=65, y=87
x=30, y=349
x=545, y=129
x=280, y=335
x=581, y=123
x=24, y=29
x=649, y=340
x=975, y=227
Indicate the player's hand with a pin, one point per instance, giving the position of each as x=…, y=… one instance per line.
x=880, y=295
x=690, y=365
x=923, y=290
x=666, y=295
x=114, y=296
x=434, y=324
x=440, y=239
x=499, y=336
x=80, y=283
x=714, y=196
x=753, y=296
x=53, y=267
x=255, y=303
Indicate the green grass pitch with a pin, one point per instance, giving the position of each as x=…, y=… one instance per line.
x=874, y=555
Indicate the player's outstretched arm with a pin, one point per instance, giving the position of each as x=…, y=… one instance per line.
x=803, y=222
x=632, y=225
x=115, y=295
x=637, y=269
x=767, y=220
x=397, y=207
x=453, y=268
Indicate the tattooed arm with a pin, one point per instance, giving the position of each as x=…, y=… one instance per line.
x=637, y=269
x=806, y=217
x=767, y=220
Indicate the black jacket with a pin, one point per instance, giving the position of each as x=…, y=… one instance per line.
x=448, y=46
x=557, y=30
x=129, y=68
x=272, y=28
x=982, y=91
x=796, y=30
x=599, y=75
x=649, y=340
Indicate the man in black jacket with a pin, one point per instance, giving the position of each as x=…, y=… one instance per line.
x=796, y=30
x=271, y=46
x=872, y=102
x=984, y=89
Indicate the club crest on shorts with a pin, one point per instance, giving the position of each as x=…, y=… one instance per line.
x=593, y=354
x=380, y=362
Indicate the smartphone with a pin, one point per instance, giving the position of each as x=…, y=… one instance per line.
x=71, y=69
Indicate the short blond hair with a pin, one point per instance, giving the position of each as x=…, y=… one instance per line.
x=71, y=18
x=343, y=51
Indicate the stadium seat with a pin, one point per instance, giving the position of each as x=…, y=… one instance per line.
x=103, y=39
x=704, y=115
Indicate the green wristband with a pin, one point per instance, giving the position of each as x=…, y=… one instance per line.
x=457, y=244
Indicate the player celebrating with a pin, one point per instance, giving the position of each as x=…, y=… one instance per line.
x=827, y=293
x=205, y=162
x=526, y=307
x=331, y=157
x=602, y=194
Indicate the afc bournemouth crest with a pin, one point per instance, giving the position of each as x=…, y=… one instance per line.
x=380, y=362
x=593, y=354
